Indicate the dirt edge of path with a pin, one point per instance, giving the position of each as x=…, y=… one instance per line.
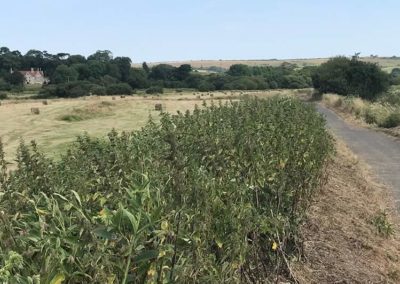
x=340, y=242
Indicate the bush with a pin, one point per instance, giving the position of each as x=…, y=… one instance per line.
x=295, y=82
x=393, y=120
x=98, y=90
x=395, y=76
x=199, y=198
x=205, y=87
x=273, y=85
x=4, y=86
x=155, y=90
x=119, y=89
x=69, y=90
x=3, y=96
x=391, y=97
x=351, y=77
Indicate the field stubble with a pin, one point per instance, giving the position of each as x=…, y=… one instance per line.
x=62, y=120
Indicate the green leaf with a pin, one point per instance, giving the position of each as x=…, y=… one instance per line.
x=103, y=233
x=58, y=279
x=132, y=219
x=77, y=197
x=145, y=256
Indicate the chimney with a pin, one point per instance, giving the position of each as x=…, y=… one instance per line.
x=31, y=69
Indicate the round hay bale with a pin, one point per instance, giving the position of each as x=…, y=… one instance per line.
x=45, y=102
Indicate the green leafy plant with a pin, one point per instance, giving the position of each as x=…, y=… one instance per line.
x=211, y=196
x=382, y=224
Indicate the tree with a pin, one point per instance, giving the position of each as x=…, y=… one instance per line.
x=75, y=59
x=124, y=65
x=350, y=77
x=4, y=50
x=146, y=68
x=16, y=79
x=97, y=68
x=119, y=89
x=64, y=74
x=138, y=78
x=101, y=55
x=239, y=70
x=83, y=71
x=162, y=72
x=183, y=71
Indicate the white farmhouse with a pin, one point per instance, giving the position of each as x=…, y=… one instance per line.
x=33, y=77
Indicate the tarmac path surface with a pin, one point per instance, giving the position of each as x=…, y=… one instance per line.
x=380, y=151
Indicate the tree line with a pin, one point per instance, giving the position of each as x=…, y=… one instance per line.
x=102, y=74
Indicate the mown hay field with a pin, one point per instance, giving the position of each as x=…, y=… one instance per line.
x=62, y=120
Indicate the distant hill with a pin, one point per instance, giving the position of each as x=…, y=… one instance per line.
x=387, y=63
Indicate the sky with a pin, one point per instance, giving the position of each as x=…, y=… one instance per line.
x=174, y=30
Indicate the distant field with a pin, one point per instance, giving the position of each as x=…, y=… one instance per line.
x=386, y=63
x=62, y=120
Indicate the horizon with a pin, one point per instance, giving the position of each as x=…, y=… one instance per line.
x=208, y=30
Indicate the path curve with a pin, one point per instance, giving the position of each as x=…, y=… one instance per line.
x=380, y=151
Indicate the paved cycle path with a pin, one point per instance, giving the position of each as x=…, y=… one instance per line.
x=380, y=151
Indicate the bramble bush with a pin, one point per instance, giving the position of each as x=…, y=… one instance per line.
x=213, y=196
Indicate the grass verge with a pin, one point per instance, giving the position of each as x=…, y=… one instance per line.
x=346, y=239
x=383, y=114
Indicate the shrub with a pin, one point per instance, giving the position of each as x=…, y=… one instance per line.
x=391, y=97
x=295, y=82
x=395, y=76
x=370, y=116
x=69, y=90
x=4, y=86
x=119, y=89
x=273, y=85
x=98, y=90
x=3, y=96
x=199, y=198
x=351, y=77
x=393, y=120
x=382, y=224
x=155, y=90
x=205, y=87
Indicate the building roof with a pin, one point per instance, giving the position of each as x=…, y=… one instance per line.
x=33, y=73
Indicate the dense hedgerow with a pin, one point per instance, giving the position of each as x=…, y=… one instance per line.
x=213, y=196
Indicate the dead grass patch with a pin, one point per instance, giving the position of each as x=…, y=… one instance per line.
x=90, y=111
x=341, y=242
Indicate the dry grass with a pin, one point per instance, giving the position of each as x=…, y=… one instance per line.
x=62, y=120
x=90, y=111
x=341, y=244
x=367, y=114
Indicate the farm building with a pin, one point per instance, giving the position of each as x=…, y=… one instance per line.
x=33, y=77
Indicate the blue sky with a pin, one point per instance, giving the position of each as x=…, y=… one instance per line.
x=203, y=29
